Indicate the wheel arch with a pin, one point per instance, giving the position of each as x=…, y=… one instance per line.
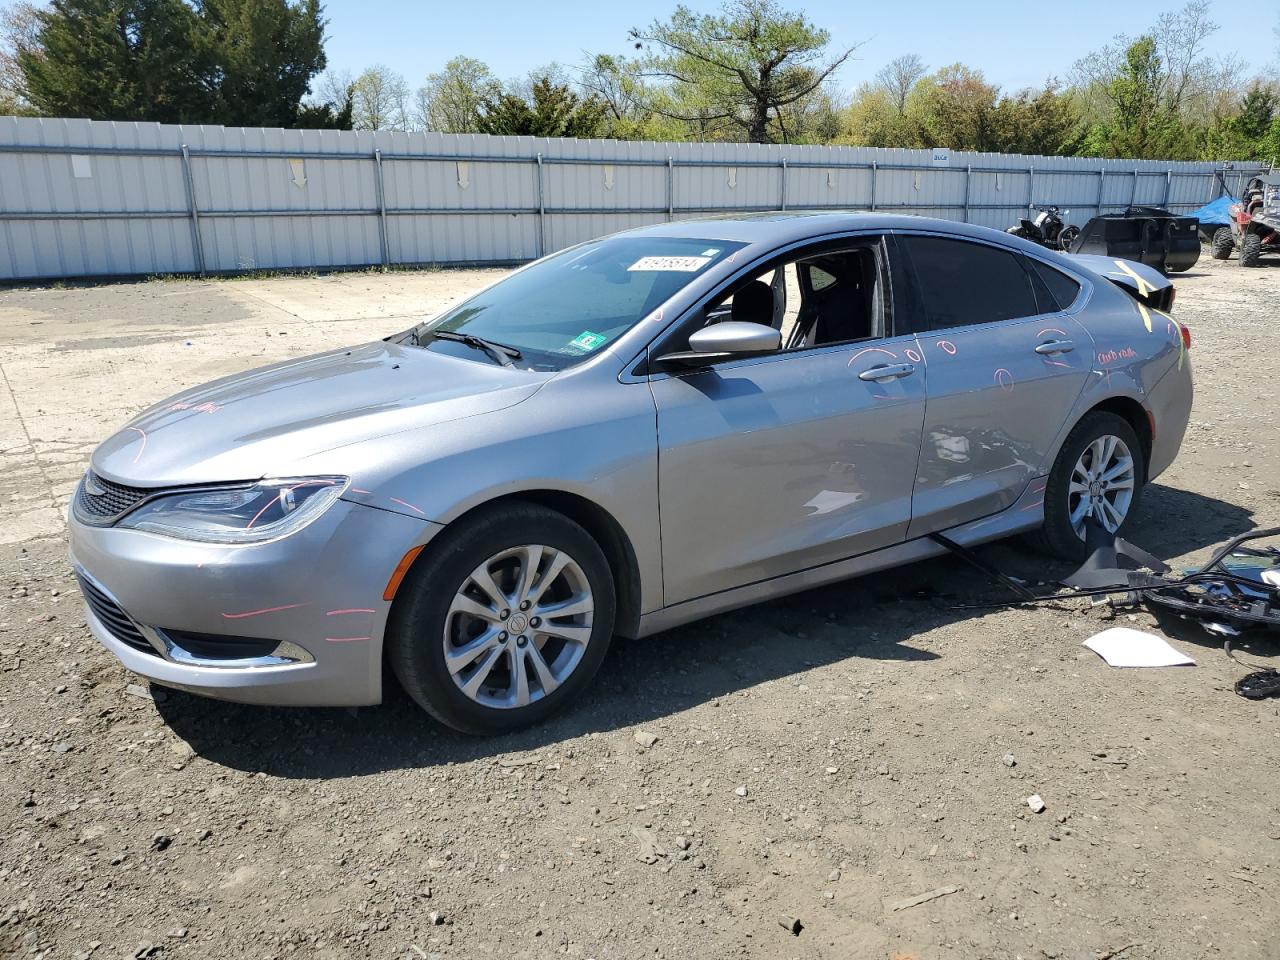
x=1133, y=413
x=603, y=528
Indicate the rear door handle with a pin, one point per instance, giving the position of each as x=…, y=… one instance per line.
x=1055, y=346
x=887, y=371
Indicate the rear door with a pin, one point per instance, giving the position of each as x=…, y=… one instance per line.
x=1005, y=366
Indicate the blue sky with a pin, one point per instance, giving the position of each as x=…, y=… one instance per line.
x=1016, y=43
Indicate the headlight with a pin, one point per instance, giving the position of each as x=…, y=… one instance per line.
x=265, y=511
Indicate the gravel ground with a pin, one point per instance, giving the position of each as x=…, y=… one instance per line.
x=778, y=782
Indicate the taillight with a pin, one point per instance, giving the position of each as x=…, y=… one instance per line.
x=1186, y=336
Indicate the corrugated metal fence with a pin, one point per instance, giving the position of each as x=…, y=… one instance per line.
x=86, y=198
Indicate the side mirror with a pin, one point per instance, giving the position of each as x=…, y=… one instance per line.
x=725, y=341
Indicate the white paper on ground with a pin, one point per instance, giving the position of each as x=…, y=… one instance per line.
x=1125, y=647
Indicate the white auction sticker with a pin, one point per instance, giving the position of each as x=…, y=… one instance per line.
x=677, y=264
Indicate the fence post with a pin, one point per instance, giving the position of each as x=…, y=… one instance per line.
x=382, y=207
x=197, y=242
x=1168, y=189
x=542, y=213
x=782, y=205
x=1031, y=187
x=671, y=188
x=874, y=168
x=1133, y=191
x=968, y=177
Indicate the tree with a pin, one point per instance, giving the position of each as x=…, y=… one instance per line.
x=1044, y=121
x=215, y=61
x=331, y=114
x=555, y=111
x=19, y=30
x=1143, y=124
x=746, y=62
x=954, y=107
x=1185, y=89
x=380, y=100
x=897, y=78
x=450, y=101
x=266, y=53
x=872, y=120
x=119, y=60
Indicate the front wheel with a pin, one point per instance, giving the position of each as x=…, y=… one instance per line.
x=1068, y=236
x=1250, y=249
x=1098, y=475
x=506, y=619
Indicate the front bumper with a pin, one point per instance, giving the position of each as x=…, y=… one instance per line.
x=293, y=622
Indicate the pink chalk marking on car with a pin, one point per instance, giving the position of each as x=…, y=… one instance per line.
x=947, y=347
x=872, y=350
x=258, y=613
x=143, y=434
x=342, y=613
x=1005, y=378
x=346, y=639
x=406, y=504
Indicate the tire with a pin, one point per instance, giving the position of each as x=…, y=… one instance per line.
x=1222, y=244
x=1058, y=536
x=433, y=610
x=1068, y=236
x=1250, y=249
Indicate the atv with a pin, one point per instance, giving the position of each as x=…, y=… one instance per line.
x=1255, y=222
x=1047, y=229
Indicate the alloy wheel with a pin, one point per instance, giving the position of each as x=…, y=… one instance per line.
x=518, y=626
x=1102, y=485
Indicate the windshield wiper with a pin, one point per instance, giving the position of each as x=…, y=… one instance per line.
x=501, y=352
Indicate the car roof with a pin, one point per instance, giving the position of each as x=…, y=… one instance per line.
x=777, y=228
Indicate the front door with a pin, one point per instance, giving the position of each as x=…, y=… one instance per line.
x=775, y=464
x=1006, y=366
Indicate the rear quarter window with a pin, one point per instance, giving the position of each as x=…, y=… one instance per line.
x=1064, y=289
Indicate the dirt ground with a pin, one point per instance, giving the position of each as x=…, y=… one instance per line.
x=823, y=758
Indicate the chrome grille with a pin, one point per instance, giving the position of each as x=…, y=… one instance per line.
x=114, y=500
x=114, y=619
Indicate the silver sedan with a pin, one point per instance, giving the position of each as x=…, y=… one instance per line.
x=627, y=435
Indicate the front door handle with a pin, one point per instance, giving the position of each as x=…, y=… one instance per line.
x=1055, y=346
x=887, y=371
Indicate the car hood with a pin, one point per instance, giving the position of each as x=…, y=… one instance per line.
x=260, y=423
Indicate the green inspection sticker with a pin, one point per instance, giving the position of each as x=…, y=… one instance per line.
x=587, y=341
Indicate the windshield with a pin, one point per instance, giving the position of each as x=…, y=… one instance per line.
x=561, y=310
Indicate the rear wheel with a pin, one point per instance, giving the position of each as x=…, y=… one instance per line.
x=1098, y=474
x=508, y=618
x=1222, y=244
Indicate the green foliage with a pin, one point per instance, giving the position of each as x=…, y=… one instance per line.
x=119, y=60
x=221, y=61
x=737, y=68
x=1141, y=125
x=328, y=114
x=553, y=111
x=263, y=54
x=451, y=100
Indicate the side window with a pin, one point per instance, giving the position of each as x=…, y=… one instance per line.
x=962, y=283
x=1062, y=288
x=820, y=299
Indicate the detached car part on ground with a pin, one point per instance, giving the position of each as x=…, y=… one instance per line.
x=627, y=435
x=1255, y=228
